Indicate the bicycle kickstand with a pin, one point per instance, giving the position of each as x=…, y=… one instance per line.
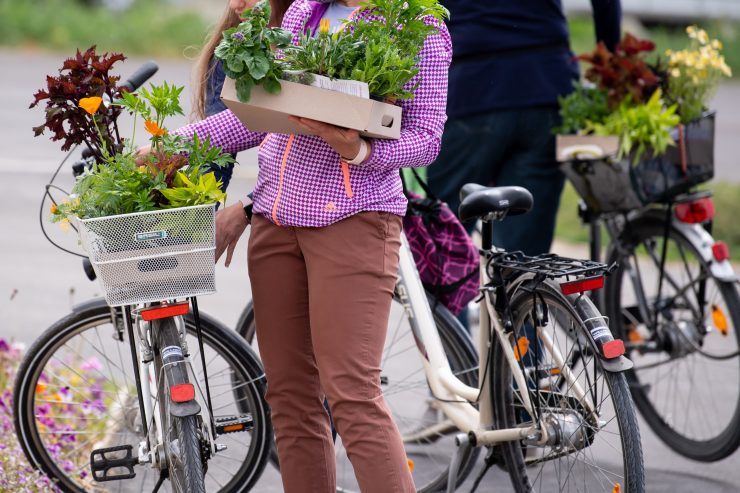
x=463, y=445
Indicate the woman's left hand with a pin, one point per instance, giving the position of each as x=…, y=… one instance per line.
x=230, y=225
x=343, y=140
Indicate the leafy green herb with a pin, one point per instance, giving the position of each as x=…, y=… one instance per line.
x=584, y=106
x=246, y=51
x=643, y=128
x=194, y=190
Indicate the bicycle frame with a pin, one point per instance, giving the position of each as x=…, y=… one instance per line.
x=453, y=396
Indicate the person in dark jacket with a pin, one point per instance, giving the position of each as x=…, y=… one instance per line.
x=511, y=61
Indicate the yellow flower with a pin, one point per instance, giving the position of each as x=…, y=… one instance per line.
x=152, y=127
x=675, y=72
x=53, y=209
x=324, y=26
x=716, y=44
x=91, y=104
x=64, y=224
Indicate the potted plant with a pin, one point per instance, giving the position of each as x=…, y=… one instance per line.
x=636, y=131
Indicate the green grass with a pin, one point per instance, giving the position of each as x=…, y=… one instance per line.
x=726, y=227
x=149, y=27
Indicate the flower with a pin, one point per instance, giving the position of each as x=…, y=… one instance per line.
x=324, y=26
x=239, y=36
x=53, y=209
x=152, y=127
x=91, y=104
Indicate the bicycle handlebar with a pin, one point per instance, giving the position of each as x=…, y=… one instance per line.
x=140, y=76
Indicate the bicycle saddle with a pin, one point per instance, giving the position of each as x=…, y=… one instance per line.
x=479, y=201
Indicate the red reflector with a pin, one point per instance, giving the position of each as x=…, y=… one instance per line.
x=582, y=285
x=699, y=211
x=182, y=392
x=613, y=349
x=164, y=311
x=721, y=251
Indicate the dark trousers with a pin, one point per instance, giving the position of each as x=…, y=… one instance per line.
x=500, y=148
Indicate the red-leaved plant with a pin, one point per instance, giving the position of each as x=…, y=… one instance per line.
x=83, y=76
x=623, y=72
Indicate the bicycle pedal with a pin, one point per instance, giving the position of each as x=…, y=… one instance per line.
x=234, y=424
x=110, y=467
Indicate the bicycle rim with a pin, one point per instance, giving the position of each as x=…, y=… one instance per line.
x=76, y=393
x=686, y=381
x=595, y=441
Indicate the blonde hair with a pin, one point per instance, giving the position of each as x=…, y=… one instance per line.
x=204, y=67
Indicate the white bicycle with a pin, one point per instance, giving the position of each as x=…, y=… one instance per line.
x=574, y=427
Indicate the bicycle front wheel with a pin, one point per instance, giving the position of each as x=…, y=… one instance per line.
x=593, y=439
x=683, y=336
x=183, y=437
x=75, y=392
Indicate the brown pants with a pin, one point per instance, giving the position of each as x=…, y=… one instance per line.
x=321, y=302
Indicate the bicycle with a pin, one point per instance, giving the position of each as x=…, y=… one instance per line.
x=673, y=298
x=85, y=418
x=564, y=416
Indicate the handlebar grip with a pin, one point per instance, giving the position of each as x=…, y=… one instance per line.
x=141, y=75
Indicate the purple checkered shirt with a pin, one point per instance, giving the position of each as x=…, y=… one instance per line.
x=301, y=180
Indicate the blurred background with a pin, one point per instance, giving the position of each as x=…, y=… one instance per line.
x=39, y=284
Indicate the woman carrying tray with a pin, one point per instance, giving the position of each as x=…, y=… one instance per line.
x=323, y=258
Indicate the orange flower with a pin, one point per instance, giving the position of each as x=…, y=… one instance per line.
x=152, y=127
x=91, y=104
x=40, y=388
x=54, y=209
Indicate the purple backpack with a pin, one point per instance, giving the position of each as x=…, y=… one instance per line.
x=447, y=260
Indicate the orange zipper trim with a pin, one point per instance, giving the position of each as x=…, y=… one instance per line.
x=347, y=184
x=280, y=183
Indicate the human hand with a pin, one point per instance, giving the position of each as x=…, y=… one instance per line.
x=142, y=153
x=230, y=225
x=343, y=140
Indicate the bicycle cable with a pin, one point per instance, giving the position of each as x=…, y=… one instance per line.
x=48, y=186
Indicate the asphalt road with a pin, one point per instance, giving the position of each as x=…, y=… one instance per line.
x=39, y=284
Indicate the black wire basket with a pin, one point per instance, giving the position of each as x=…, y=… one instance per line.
x=610, y=185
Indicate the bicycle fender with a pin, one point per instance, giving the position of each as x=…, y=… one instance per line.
x=184, y=409
x=585, y=309
x=703, y=241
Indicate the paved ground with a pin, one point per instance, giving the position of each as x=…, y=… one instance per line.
x=39, y=284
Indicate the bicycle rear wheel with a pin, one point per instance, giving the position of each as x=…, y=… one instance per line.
x=594, y=439
x=428, y=435
x=75, y=392
x=183, y=437
x=683, y=339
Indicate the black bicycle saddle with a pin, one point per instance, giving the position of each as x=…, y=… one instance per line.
x=479, y=201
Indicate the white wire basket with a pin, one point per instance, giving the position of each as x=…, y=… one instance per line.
x=152, y=256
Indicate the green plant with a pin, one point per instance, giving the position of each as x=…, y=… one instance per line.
x=642, y=128
x=583, y=107
x=385, y=50
x=694, y=73
x=247, y=54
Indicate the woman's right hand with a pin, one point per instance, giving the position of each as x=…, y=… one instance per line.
x=231, y=222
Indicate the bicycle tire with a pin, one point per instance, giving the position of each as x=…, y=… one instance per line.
x=182, y=441
x=216, y=338
x=463, y=361
x=701, y=422
x=529, y=466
